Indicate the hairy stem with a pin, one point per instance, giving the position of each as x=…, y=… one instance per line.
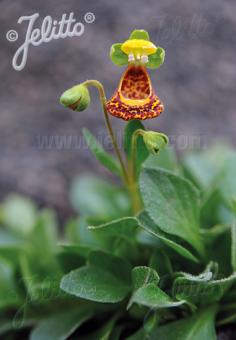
x=133, y=185
x=102, y=96
x=132, y=162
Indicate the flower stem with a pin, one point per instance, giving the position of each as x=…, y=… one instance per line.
x=133, y=185
x=129, y=176
x=132, y=162
x=103, y=100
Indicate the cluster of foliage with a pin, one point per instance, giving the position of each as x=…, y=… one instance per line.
x=168, y=272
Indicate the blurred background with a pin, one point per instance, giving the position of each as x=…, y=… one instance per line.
x=41, y=144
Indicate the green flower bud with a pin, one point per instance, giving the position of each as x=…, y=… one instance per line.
x=76, y=98
x=155, y=141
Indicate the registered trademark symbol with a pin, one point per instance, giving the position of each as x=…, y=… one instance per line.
x=89, y=18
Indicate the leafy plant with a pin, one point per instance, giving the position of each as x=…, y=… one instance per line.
x=152, y=258
x=162, y=273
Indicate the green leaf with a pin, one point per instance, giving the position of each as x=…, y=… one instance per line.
x=80, y=234
x=19, y=214
x=160, y=261
x=105, y=279
x=233, y=246
x=146, y=222
x=111, y=263
x=215, y=211
x=157, y=59
x=39, y=267
x=139, y=335
x=70, y=257
x=199, y=169
x=10, y=240
x=165, y=159
x=124, y=228
x=11, y=245
x=142, y=152
x=172, y=203
x=200, y=326
x=201, y=289
x=230, y=296
x=120, y=236
x=223, y=254
x=8, y=290
x=106, y=332
x=42, y=282
x=118, y=57
x=7, y=325
x=141, y=276
x=213, y=170
x=43, y=238
x=76, y=249
x=146, y=292
x=226, y=181
x=60, y=326
x=92, y=196
x=96, y=284
x=104, y=157
x=211, y=234
x=139, y=34
x=153, y=297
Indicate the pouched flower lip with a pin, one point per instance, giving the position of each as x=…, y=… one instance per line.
x=135, y=97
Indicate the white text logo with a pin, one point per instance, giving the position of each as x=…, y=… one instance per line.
x=50, y=29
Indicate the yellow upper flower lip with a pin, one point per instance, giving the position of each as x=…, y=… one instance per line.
x=138, y=50
x=138, y=47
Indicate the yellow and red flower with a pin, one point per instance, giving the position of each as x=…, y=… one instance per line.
x=135, y=97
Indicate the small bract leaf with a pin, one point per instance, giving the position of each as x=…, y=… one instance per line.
x=157, y=59
x=139, y=34
x=118, y=57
